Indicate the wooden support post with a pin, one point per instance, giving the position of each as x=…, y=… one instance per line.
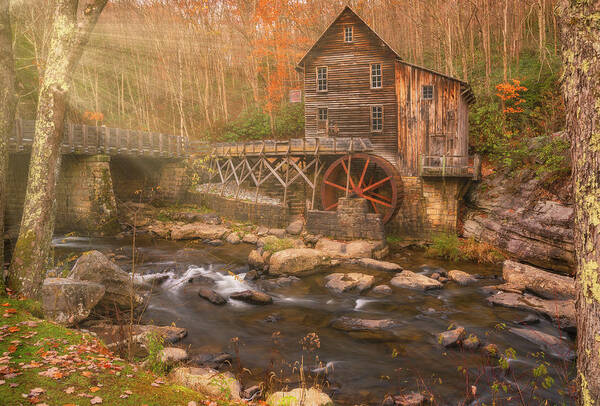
x=287, y=176
x=314, y=187
x=259, y=177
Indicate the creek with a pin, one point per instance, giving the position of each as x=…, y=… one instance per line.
x=362, y=368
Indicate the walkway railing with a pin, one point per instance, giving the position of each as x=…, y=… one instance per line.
x=450, y=166
x=92, y=140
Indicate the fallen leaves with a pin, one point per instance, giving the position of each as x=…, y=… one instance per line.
x=96, y=400
x=70, y=390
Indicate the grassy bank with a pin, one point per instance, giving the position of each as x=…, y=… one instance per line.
x=44, y=363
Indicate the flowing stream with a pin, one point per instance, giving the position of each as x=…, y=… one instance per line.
x=361, y=367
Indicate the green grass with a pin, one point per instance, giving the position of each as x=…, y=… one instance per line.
x=274, y=244
x=83, y=364
x=452, y=248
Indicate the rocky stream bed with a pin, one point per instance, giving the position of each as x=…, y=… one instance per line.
x=412, y=326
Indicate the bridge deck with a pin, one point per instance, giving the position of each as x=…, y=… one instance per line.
x=90, y=140
x=291, y=147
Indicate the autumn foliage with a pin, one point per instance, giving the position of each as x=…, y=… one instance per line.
x=510, y=94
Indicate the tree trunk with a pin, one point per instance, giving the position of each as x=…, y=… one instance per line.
x=32, y=249
x=580, y=35
x=8, y=104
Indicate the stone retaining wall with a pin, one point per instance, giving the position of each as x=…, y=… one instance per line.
x=352, y=220
x=89, y=186
x=268, y=215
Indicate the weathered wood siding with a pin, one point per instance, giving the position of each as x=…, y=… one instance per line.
x=445, y=115
x=349, y=96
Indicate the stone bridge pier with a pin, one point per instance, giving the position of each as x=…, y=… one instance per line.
x=90, y=188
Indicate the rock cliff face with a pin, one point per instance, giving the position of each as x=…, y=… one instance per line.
x=523, y=219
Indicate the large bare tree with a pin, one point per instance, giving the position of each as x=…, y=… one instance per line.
x=8, y=103
x=580, y=31
x=71, y=29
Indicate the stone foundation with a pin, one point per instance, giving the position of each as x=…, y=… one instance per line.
x=352, y=220
x=89, y=187
x=428, y=206
x=268, y=215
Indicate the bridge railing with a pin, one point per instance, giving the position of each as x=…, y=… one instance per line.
x=91, y=140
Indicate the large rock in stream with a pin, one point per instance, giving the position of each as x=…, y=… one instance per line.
x=201, y=231
x=68, y=301
x=411, y=280
x=299, y=397
x=562, y=312
x=352, y=249
x=549, y=343
x=544, y=284
x=296, y=261
x=93, y=266
x=343, y=282
x=518, y=216
x=208, y=381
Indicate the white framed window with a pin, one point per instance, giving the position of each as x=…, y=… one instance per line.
x=376, y=118
x=427, y=92
x=349, y=33
x=322, y=79
x=322, y=119
x=376, y=76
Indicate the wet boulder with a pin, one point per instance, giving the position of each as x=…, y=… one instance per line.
x=215, y=361
x=352, y=324
x=544, y=284
x=233, y=238
x=562, y=312
x=212, y=296
x=300, y=396
x=381, y=290
x=277, y=232
x=296, y=261
x=295, y=227
x=252, y=297
x=256, y=260
x=411, y=280
x=452, y=338
x=67, y=301
x=549, y=343
x=406, y=399
x=93, y=266
x=343, y=282
x=377, y=265
x=460, y=277
x=172, y=355
x=250, y=239
x=352, y=249
x=200, y=231
x=207, y=381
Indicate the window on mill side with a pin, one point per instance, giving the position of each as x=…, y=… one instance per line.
x=376, y=76
x=376, y=118
x=348, y=33
x=322, y=79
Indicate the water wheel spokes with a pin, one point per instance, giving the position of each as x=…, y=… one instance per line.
x=362, y=175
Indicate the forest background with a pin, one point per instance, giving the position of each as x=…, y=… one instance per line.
x=221, y=70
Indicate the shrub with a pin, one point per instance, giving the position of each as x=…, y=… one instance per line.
x=274, y=244
x=452, y=248
x=155, y=345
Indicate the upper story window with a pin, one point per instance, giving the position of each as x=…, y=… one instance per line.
x=376, y=76
x=376, y=118
x=348, y=33
x=427, y=92
x=322, y=79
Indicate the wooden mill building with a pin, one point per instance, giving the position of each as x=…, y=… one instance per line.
x=356, y=85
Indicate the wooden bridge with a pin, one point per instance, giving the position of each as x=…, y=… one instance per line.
x=91, y=140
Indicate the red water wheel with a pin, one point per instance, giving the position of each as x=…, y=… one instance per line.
x=362, y=175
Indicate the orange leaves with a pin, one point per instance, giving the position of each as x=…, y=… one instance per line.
x=93, y=116
x=510, y=94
